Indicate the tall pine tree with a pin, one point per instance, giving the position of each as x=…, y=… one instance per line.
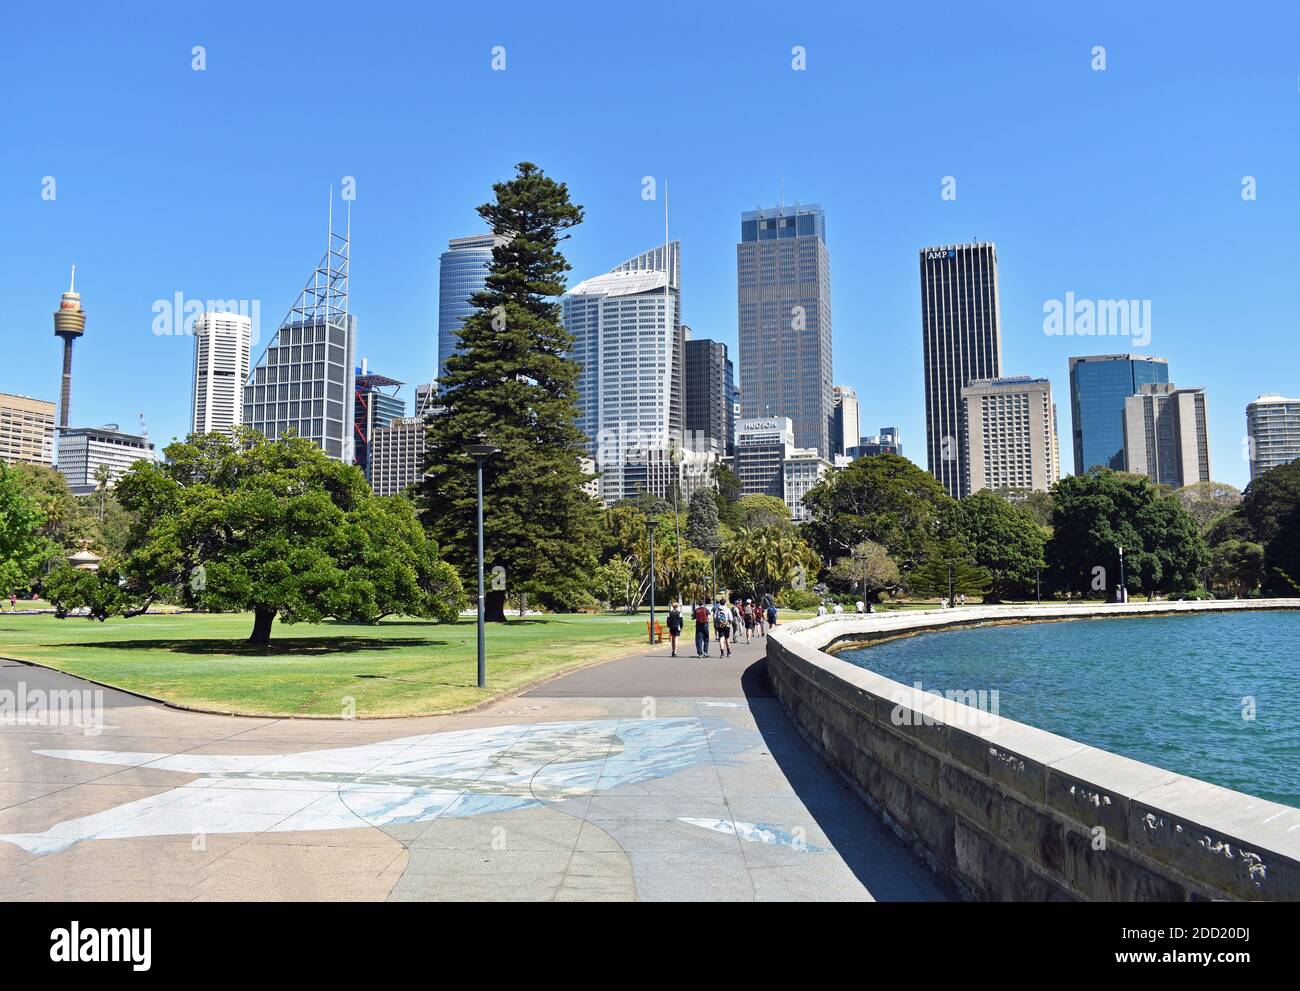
x=513, y=383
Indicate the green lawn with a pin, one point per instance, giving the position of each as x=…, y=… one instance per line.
x=400, y=667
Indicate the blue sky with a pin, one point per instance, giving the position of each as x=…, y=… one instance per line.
x=1124, y=183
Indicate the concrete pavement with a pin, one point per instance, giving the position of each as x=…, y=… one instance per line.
x=643, y=778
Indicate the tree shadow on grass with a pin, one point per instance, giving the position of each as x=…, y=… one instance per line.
x=278, y=647
x=462, y=621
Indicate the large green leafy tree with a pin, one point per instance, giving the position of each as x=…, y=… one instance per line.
x=1271, y=508
x=70, y=523
x=1238, y=566
x=867, y=571
x=512, y=383
x=1003, y=538
x=1097, y=513
x=1208, y=501
x=884, y=498
x=24, y=549
x=274, y=527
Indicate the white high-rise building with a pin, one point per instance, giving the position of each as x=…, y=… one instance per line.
x=1011, y=439
x=397, y=455
x=1273, y=429
x=767, y=462
x=847, y=425
x=83, y=449
x=222, y=342
x=629, y=342
x=1165, y=435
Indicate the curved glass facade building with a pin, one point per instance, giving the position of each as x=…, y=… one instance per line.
x=1099, y=386
x=462, y=272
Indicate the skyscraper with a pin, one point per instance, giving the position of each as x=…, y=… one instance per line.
x=26, y=430
x=762, y=446
x=783, y=287
x=961, y=341
x=462, y=272
x=83, y=449
x=628, y=342
x=305, y=379
x=69, y=324
x=885, y=442
x=397, y=455
x=709, y=388
x=1273, y=429
x=1165, y=435
x=1011, y=434
x=1099, y=385
x=222, y=344
x=847, y=424
x=376, y=405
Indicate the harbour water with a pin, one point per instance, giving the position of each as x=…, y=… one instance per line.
x=1215, y=696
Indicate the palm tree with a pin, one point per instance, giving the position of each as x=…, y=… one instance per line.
x=103, y=475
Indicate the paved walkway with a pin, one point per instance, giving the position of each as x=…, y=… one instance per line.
x=644, y=778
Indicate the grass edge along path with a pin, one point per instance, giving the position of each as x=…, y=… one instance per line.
x=401, y=667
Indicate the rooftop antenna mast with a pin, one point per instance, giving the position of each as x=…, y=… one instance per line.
x=324, y=299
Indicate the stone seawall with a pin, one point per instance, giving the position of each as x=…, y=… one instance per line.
x=1011, y=812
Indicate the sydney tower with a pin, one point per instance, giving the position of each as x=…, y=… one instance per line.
x=69, y=323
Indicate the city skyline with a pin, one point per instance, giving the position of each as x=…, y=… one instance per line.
x=1167, y=225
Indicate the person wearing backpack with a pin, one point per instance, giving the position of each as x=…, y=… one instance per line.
x=722, y=625
x=701, y=630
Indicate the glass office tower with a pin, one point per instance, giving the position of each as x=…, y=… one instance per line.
x=462, y=272
x=1099, y=385
x=783, y=284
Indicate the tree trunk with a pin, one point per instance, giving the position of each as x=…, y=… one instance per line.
x=262, y=620
x=523, y=604
x=494, y=606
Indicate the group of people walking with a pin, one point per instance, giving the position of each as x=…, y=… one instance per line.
x=722, y=622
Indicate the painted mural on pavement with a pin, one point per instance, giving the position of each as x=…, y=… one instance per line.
x=412, y=779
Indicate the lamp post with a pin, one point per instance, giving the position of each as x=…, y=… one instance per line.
x=1121, y=594
x=480, y=452
x=652, y=579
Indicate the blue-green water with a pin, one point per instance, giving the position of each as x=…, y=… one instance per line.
x=1165, y=690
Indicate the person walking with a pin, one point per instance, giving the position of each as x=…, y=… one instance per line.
x=821, y=609
x=722, y=623
x=701, y=630
x=769, y=606
x=749, y=620
x=838, y=610
x=674, y=625
x=737, y=621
